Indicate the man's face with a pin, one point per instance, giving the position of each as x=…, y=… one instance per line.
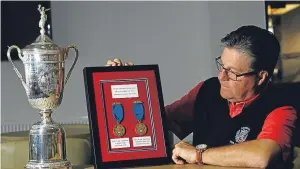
x=242, y=88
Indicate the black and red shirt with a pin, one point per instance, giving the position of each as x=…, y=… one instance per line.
x=278, y=124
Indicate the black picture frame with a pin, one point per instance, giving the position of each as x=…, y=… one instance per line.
x=93, y=120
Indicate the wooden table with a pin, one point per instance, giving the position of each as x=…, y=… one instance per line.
x=171, y=166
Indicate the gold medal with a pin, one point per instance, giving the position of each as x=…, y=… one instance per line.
x=119, y=130
x=140, y=129
x=118, y=114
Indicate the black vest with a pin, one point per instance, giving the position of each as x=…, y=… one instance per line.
x=214, y=126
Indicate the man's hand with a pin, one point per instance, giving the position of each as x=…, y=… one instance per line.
x=117, y=62
x=185, y=151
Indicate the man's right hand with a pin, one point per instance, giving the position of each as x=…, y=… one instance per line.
x=117, y=62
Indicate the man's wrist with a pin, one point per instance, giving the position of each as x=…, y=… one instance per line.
x=199, y=153
x=204, y=156
x=198, y=157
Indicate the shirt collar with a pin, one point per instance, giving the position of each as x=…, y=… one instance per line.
x=236, y=108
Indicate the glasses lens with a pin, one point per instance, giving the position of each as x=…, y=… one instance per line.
x=231, y=75
x=219, y=66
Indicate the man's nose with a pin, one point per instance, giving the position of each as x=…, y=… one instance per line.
x=222, y=75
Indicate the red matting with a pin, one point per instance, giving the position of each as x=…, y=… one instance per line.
x=147, y=93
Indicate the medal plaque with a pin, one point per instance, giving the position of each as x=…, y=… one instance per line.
x=126, y=115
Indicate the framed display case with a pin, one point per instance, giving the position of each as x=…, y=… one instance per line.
x=126, y=116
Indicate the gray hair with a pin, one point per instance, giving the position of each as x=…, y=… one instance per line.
x=259, y=44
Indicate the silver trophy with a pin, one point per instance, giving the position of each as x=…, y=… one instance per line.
x=44, y=64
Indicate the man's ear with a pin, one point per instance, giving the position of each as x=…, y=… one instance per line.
x=262, y=77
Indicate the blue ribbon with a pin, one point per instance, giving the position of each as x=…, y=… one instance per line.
x=138, y=110
x=118, y=113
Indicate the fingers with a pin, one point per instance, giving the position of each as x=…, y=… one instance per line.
x=109, y=63
x=176, y=157
x=184, y=152
x=117, y=62
x=129, y=63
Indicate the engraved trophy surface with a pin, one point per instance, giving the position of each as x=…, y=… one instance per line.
x=44, y=65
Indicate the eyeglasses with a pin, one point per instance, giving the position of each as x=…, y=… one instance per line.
x=231, y=75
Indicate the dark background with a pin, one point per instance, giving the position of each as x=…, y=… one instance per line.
x=20, y=24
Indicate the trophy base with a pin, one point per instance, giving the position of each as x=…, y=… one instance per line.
x=47, y=144
x=52, y=165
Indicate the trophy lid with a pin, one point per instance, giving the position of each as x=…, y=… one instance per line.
x=43, y=44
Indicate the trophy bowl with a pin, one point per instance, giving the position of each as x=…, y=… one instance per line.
x=44, y=65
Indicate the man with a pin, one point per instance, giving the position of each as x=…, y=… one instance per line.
x=236, y=119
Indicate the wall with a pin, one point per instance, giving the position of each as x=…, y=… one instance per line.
x=290, y=40
x=290, y=29
x=182, y=37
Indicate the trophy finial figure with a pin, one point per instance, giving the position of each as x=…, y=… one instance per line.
x=43, y=19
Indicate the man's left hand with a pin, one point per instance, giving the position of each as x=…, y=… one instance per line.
x=185, y=151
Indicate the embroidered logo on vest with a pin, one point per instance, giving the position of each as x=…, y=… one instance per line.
x=241, y=134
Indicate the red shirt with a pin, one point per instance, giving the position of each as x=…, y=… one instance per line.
x=277, y=126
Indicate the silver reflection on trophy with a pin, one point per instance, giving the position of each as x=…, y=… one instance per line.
x=44, y=64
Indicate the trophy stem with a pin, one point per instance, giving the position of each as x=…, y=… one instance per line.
x=47, y=144
x=46, y=117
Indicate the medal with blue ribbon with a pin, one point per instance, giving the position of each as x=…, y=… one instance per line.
x=118, y=114
x=139, y=113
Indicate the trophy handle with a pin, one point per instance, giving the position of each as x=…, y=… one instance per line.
x=15, y=68
x=76, y=58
